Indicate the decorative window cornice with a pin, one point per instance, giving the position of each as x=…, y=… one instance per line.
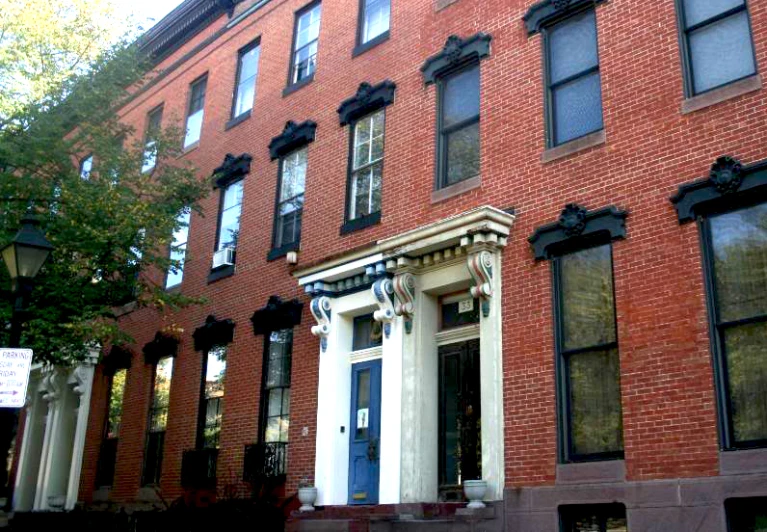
x=162, y=346
x=369, y=98
x=729, y=183
x=578, y=228
x=213, y=333
x=276, y=315
x=232, y=169
x=292, y=137
x=544, y=12
x=117, y=359
x=456, y=53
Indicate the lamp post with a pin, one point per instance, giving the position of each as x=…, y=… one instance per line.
x=23, y=257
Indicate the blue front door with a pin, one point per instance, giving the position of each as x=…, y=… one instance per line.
x=365, y=432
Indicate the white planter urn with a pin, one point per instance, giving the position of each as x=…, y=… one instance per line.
x=475, y=492
x=56, y=502
x=307, y=496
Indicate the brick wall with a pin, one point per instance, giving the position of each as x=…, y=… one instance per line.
x=651, y=148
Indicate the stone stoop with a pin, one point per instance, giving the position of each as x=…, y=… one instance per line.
x=431, y=517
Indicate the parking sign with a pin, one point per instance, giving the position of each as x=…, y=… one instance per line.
x=14, y=376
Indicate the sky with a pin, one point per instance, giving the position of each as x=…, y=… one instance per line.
x=143, y=10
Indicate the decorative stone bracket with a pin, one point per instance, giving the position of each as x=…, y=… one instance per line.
x=320, y=308
x=481, y=269
x=404, y=288
x=383, y=292
x=50, y=386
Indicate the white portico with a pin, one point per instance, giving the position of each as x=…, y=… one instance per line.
x=51, y=453
x=403, y=280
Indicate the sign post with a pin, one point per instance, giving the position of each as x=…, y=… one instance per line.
x=14, y=376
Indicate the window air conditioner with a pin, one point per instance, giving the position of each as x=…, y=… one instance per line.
x=223, y=257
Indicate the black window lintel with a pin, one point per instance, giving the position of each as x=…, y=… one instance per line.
x=232, y=169
x=455, y=54
x=277, y=315
x=162, y=346
x=294, y=136
x=369, y=98
x=546, y=11
x=728, y=185
x=578, y=228
x=214, y=332
x=117, y=359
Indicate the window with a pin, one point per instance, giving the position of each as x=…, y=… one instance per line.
x=593, y=518
x=86, y=165
x=307, y=32
x=588, y=366
x=747, y=514
x=178, y=250
x=573, y=85
x=367, y=333
x=229, y=220
x=716, y=43
x=158, y=421
x=154, y=120
x=459, y=310
x=108, y=453
x=196, y=111
x=458, y=145
x=212, y=398
x=735, y=247
x=247, y=72
x=275, y=394
x=367, y=166
x=375, y=19
x=290, y=199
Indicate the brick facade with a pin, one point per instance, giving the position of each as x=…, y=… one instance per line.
x=650, y=149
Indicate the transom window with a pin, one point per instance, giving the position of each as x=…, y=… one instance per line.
x=247, y=72
x=736, y=250
x=304, y=61
x=178, y=249
x=196, y=111
x=459, y=310
x=367, y=166
x=367, y=333
x=458, y=147
x=588, y=363
x=158, y=421
x=375, y=19
x=290, y=200
x=717, y=44
x=574, y=92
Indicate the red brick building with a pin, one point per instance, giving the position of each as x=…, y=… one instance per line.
x=454, y=240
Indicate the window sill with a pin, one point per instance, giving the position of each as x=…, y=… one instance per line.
x=360, y=223
x=237, y=120
x=276, y=253
x=220, y=273
x=589, y=472
x=372, y=43
x=290, y=89
x=722, y=94
x=457, y=189
x=175, y=289
x=127, y=308
x=574, y=146
x=744, y=461
x=442, y=4
x=193, y=146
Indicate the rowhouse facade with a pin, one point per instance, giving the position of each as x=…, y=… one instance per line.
x=449, y=240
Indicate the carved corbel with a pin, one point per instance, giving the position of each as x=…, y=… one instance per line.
x=79, y=379
x=481, y=269
x=49, y=386
x=383, y=292
x=320, y=308
x=404, y=289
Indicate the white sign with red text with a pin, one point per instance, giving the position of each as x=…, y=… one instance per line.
x=14, y=376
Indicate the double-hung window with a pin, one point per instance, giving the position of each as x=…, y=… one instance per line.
x=247, y=72
x=196, y=111
x=573, y=84
x=229, y=219
x=212, y=398
x=374, y=20
x=158, y=421
x=108, y=453
x=588, y=367
x=716, y=43
x=275, y=395
x=290, y=199
x=178, y=250
x=735, y=248
x=307, y=32
x=458, y=122
x=367, y=166
x=86, y=166
x=154, y=121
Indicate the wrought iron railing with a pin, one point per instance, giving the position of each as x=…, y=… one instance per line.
x=265, y=461
x=198, y=468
